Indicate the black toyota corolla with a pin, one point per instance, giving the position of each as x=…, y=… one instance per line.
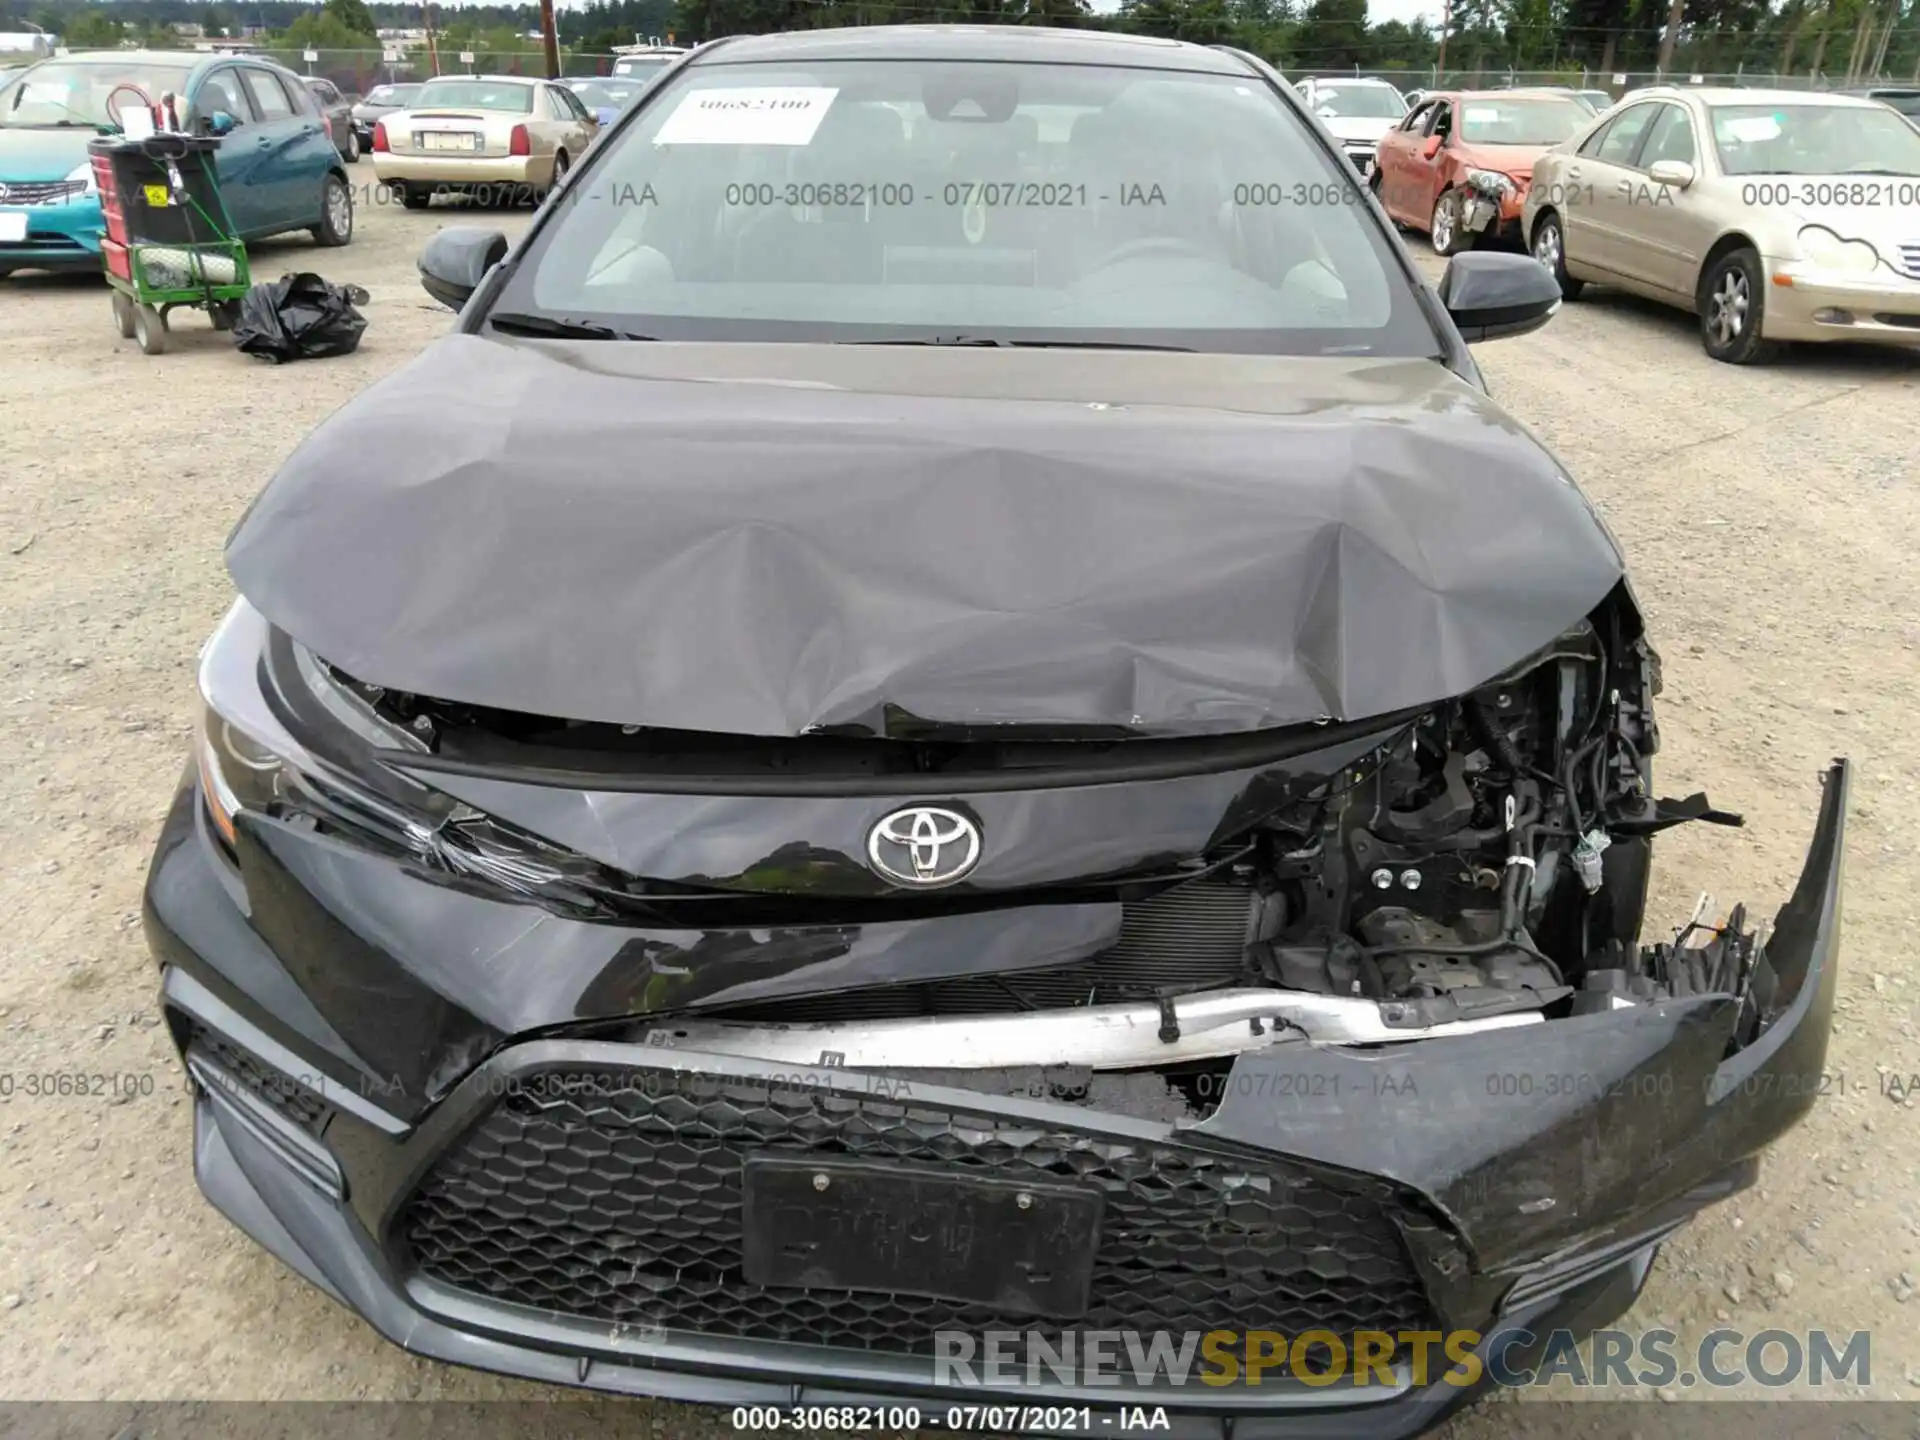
x=949, y=709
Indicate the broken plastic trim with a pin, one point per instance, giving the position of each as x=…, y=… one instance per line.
x=1121, y=762
x=1097, y=1037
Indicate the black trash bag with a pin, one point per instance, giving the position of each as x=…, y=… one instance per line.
x=300, y=317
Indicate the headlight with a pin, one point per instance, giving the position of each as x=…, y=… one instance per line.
x=1832, y=252
x=248, y=761
x=237, y=772
x=82, y=175
x=1491, y=181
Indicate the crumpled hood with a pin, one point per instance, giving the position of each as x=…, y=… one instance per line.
x=764, y=539
x=1514, y=160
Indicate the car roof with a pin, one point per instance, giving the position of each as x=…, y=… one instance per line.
x=194, y=62
x=1349, y=80
x=1036, y=44
x=188, y=59
x=490, y=79
x=1525, y=92
x=1735, y=95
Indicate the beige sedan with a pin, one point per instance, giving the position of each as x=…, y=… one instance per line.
x=487, y=135
x=1773, y=215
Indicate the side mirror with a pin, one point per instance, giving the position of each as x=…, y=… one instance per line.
x=1677, y=173
x=221, y=122
x=1431, y=147
x=1492, y=295
x=457, y=259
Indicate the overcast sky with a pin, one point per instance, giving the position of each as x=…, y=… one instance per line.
x=1379, y=11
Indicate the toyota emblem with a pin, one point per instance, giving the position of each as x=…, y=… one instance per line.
x=924, y=846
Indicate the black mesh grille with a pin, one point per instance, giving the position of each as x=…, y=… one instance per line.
x=624, y=1204
x=292, y=1099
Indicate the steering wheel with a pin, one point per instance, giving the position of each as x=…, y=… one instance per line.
x=1165, y=245
x=113, y=107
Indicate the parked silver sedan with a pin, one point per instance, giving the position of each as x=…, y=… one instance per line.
x=1774, y=215
x=491, y=136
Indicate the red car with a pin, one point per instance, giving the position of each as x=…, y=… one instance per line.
x=1459, y=165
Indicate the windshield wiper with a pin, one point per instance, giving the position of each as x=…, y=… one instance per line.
x=553, y=328
x=987, y=340
x=1877, y=170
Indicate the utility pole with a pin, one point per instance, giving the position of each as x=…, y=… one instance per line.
x=1886, y=35
x=1676, y=11
x=552, y=38
x=1446, y=23
x=433, y=55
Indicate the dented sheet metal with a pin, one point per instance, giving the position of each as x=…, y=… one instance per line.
x=763, y=539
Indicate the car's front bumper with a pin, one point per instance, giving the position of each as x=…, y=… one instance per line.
x=1529, y=1178
x=1882, y=308
x=59, y=237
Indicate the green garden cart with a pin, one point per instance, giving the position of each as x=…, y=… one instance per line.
x=169, y=242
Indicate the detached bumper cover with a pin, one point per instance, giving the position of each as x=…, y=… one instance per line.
x=1474, y=1184
x=1491, y=214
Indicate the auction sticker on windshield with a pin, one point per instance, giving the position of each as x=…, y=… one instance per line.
x=764, y=115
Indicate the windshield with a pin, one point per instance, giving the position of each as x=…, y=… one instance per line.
x=392, y=95
x=1359, y=102
x=1907, y=102
x=66, y=93
x=952, y=200
x=603, y=93
x=1536, y=120
x=503, y=97
x=1814, y=139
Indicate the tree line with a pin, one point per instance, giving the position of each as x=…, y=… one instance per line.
x=1834, y=38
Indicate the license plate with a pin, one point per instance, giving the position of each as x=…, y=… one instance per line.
x=430, y=141
x=13, y=225
x=844, y=1225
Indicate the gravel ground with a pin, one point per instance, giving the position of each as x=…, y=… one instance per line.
x=1770, y=516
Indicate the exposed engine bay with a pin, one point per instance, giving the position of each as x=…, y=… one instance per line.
x=1486, y=868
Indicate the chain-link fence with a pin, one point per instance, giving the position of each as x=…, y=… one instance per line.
x=358, y=71
x=1616, y=83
